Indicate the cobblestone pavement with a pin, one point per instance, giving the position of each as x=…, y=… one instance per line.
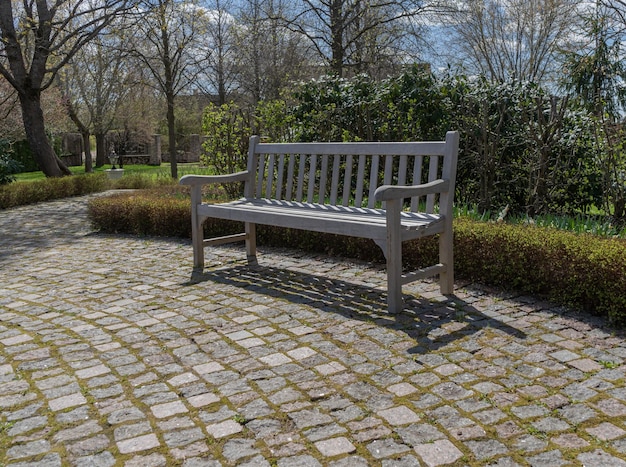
x=113, y=353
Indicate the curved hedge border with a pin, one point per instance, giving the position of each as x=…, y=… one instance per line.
x=21, y=193
x=582, y=271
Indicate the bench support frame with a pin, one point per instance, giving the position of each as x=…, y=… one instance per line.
x=286, y=186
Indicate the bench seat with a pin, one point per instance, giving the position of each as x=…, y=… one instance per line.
x=341, y=220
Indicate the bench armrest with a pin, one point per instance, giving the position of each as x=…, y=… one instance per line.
x=206, y=179
x=391, y=192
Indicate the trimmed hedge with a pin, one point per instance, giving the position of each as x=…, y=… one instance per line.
x=21, y=193
x=30, y=192
x=578, y=270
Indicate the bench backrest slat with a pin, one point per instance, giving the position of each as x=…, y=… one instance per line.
x=260, y=176
x=347, y=181
x=323, y=179
x=334, y=183
x=307, y=172
x=290, y=168
x=417, y=179
x=358, y=195
x=402, y=168
x=301, y=168
x=389, y=173
x=373, y=181
x=433, y=174
x=312, y=175
x=269, y=177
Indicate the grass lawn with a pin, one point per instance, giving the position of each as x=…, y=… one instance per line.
x=162, y=170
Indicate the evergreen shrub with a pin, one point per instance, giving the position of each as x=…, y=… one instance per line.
x=8, y=165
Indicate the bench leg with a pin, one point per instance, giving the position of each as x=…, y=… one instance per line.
x=197, y=230
x=446, y=256
x=198, y=248
x=394, y=258
x=251, y=242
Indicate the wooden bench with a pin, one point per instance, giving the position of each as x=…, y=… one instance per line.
x=130, y=159
x=387, y=192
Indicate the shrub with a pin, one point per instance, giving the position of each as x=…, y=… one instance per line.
x=520, y=145
x=227, y=130
x=578, y=270
x=141, y=214
x=8, y=165
x=17, y=194
x=163, y=211
x=24, y=156
x=30, y=192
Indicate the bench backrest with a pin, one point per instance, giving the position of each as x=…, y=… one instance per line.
x=347, y=174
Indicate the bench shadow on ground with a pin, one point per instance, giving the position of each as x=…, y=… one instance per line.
x=433, y=324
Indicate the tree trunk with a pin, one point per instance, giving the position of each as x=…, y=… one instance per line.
x=171, y=129
x=42, y=150
x=85, y=133
x=87, y=151
x=101, y=147
x=337, y=32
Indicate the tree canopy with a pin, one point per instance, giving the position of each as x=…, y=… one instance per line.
x=38, y=39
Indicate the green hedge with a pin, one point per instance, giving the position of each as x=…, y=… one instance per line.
x=578, y=270
x=581, y=271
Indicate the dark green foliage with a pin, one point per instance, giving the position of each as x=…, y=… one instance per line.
x=579, y=270
x=407, y=107
x=24, y=156
x=520, y=146
x=8, y=165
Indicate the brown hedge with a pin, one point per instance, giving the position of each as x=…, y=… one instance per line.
x=21, y=193
x=581, y=271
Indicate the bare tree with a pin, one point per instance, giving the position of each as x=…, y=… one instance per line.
x=11, y=123
x=512, y=39
x=341, y=31
x=172, y=30
x=94, y=85
x=271, y=56
x=38, y=39
x=617, y=8
x=220, y=51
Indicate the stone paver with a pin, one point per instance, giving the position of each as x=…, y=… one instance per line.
x=114, y=352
